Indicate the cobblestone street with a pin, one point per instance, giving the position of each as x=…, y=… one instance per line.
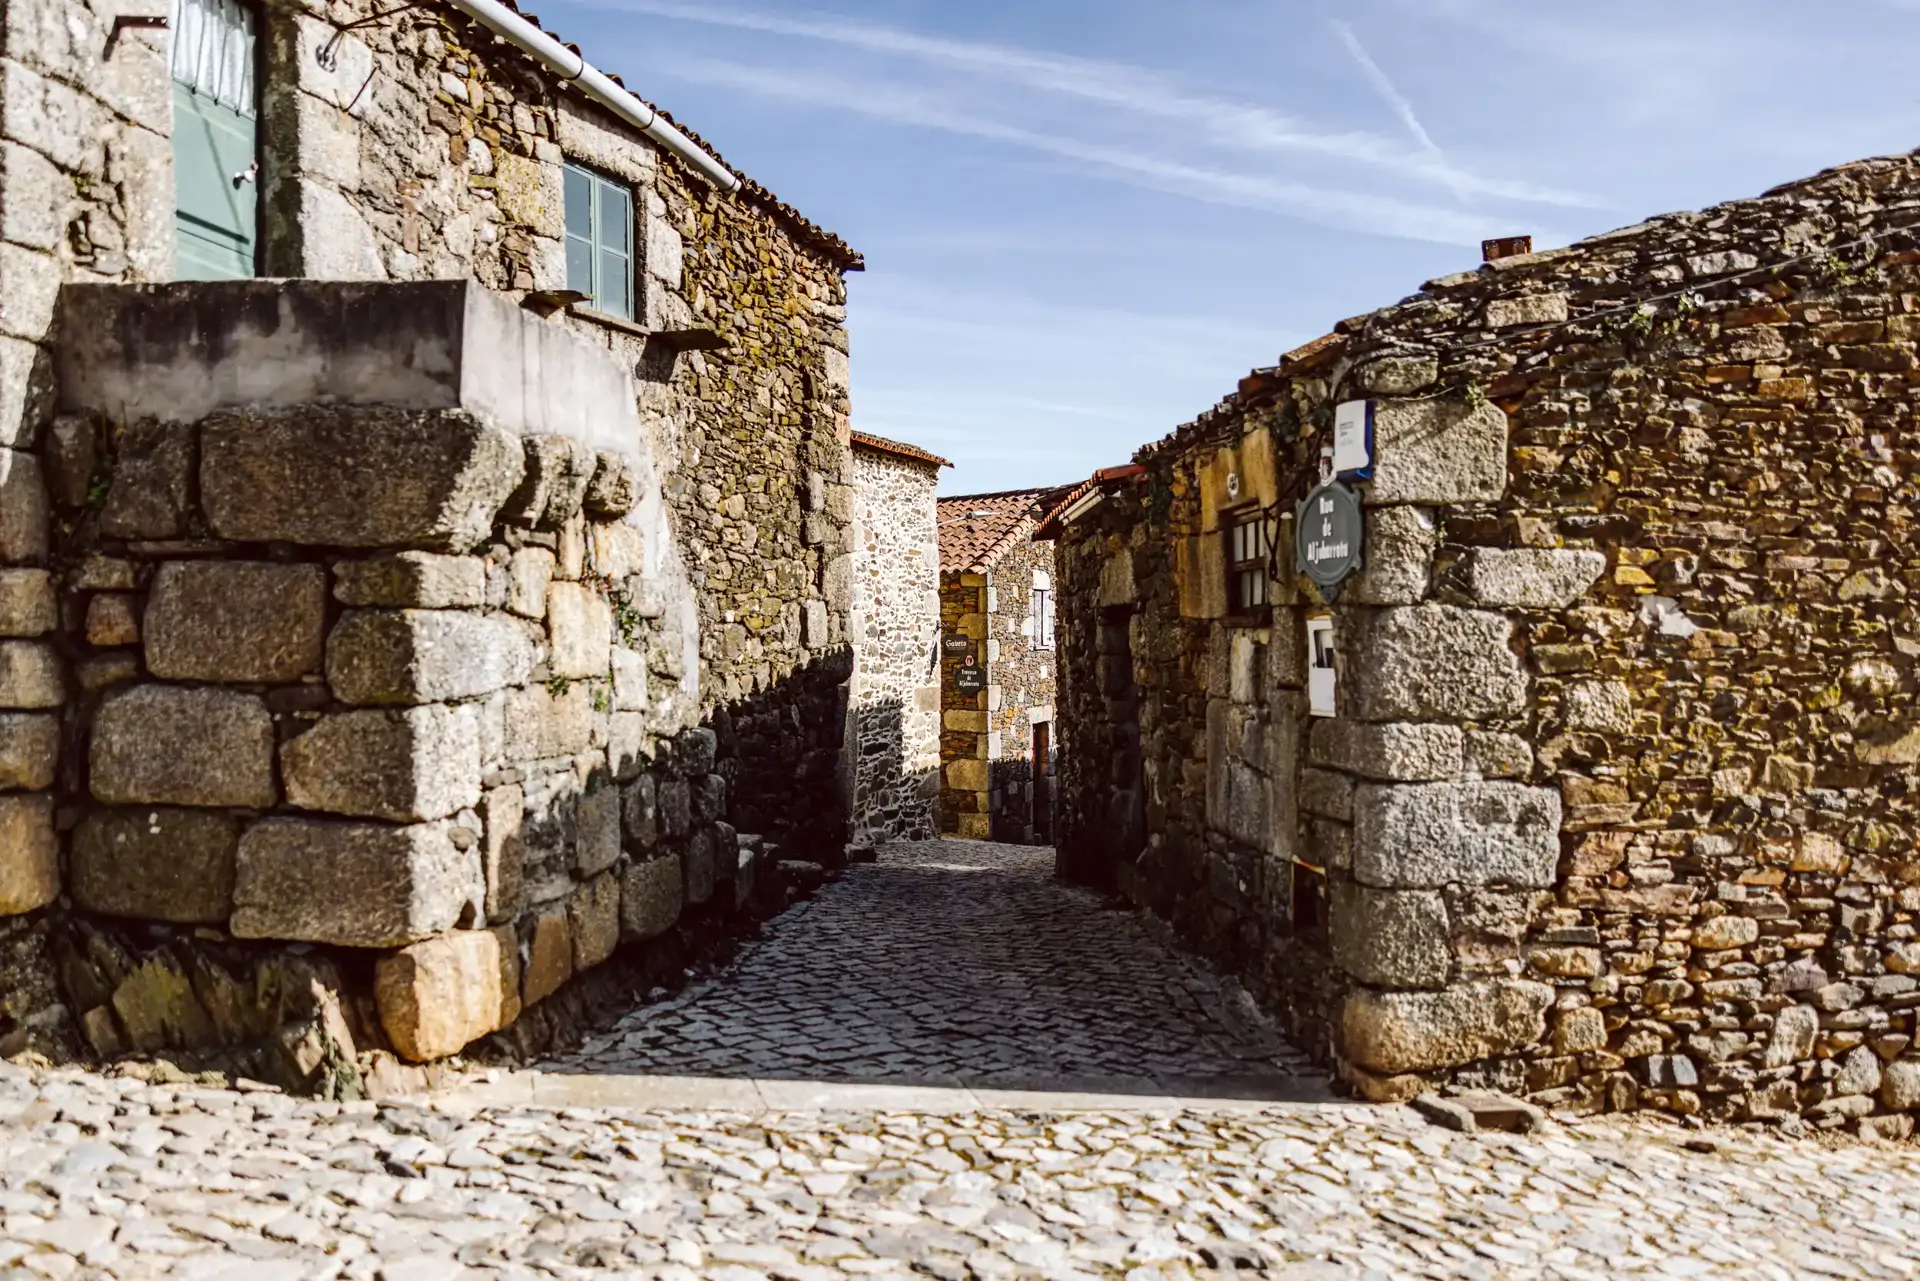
x=901, y=1080
x=111, y=1177
x=961, y=963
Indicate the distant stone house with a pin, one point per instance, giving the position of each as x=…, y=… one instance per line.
x=1594, y=783
x=894, y=735
x=546, y=563
x=996, y=686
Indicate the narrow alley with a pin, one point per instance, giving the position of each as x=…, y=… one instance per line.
x=945, y=965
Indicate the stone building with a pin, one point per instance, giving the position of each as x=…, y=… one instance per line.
x=500, y=574
x=1614, y=804
x=996, y=685
x=894, y=736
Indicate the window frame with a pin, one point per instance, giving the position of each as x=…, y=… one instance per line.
x=1254, y=568
x=1038, y=602
x=599, y=182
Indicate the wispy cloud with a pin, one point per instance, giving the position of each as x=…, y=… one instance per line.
x=1138, y=90
x=1073, y=385
x=1384, y=215
x=1688, y=61
x=1383, y=85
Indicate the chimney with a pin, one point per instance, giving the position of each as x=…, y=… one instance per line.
x=1505, y=247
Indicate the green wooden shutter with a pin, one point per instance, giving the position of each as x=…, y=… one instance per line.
x=215, y=141
x=600, y=240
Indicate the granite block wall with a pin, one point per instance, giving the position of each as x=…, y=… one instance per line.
x=87, y=179
x=1612, y=811
x=423, y=148
x=407, y=145
x=377, y=665
x=964, y=777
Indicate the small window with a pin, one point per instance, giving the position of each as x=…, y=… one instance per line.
x=1042, y=606
x=1249, y=544
x=1308, y=903
x=600, y=240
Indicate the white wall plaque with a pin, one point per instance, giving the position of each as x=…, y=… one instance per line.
x=1320, y=693
x=1353, y=436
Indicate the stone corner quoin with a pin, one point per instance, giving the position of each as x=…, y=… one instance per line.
x=1607, y=809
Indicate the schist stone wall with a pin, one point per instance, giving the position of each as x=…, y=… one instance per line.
x=895, y=735
x=1615, y=810
x=1021, y=695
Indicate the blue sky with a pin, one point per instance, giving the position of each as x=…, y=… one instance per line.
x=1084, y=220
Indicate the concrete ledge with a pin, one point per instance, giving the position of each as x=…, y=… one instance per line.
x=757, y=1095
x=181, y=351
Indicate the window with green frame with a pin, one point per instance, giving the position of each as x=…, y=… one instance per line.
x=600, y=240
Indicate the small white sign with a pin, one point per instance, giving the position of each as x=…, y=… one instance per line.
x=1320, y=669
x=1353, y=436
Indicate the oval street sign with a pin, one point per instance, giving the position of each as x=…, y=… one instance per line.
x=1329, y=533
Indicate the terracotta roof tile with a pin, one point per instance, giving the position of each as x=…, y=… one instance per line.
x=1303, y=354
x=885, y=446
x=1055, y=504
x=976, y=528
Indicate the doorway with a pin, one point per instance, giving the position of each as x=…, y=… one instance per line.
x=1042, y=783
x=216, y=140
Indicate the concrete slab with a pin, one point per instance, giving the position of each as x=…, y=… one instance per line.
x=561, y=1090
x=182, y=350
x=651, y=1092
x=834, y=1096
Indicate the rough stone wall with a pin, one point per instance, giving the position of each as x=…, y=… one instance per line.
x=1615, y=812
x=963, y=717
x=1181, y=727
x=896, y=629
x=408, y=145
x=1099, y=812
x=423, y=148
x=1019, y=692
x=367, y=662
x=86, y=192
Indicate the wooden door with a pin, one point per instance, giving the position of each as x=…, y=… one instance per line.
x=1042, y=783
x=216, y=115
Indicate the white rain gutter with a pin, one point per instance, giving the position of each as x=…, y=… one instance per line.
x=593, y=82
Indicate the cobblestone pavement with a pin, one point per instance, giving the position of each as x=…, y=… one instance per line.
x=960, y=962
x=112, y=1177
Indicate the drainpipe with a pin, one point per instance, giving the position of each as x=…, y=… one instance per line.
x=576, y=70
